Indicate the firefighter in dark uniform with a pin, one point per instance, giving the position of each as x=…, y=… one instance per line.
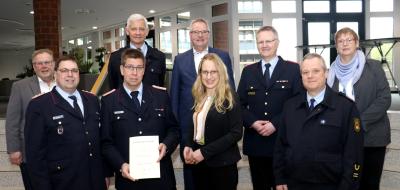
x=135, y=109
x=62, y=135
x=320, y=142
x=262, y=93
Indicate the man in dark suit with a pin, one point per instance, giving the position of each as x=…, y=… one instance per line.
x=263, y=88
x=62, y=135
x=137, y=29
x=184, y=74
x=136, y=109
x=320, y=141
x=21, y=93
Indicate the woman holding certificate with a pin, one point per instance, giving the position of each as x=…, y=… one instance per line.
x=211, y=143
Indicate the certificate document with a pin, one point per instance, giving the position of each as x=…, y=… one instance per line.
x=143, y=156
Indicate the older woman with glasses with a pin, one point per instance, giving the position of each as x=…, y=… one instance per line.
x=211, y=141
x=364, y=81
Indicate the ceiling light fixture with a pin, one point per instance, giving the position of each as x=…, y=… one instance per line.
x=94, y=27
x=152, y=11
x=31, y=12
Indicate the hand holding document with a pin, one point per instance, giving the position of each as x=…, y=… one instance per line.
x=143, y=157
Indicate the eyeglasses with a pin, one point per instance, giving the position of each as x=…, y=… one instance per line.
x=197, y=32
x=206, y=73
x=347, y=41
x=133, y=68
x=140, y=29
x=266, y=41
x=43, y=63
x=66, y=71
x=312, y=72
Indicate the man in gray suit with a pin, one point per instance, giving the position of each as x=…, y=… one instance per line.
x=21, y=93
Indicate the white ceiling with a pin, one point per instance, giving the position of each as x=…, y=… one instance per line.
x=16, y=24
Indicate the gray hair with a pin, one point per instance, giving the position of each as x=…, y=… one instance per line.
x=135, y=17
x=199, y=20
x=315, y=55
x=268, y=28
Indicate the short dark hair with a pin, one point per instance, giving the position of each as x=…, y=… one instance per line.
x=65, y=58
x=133, y=54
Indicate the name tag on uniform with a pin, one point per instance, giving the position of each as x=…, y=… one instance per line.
x=282, y=81
x=251, y=93
x=118, y=112
x=58, y=117
x=159, y=109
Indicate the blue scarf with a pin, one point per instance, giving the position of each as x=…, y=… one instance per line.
x=345, y=72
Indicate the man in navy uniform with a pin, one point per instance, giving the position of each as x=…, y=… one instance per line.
x=136, y=109
x=263, y=88
x=62, y=135
x=137, y=29
x=320, y=141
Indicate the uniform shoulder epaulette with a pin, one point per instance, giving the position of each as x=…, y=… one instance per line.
x=109, y=92
x=37, y=95
x=89, y=92
x=344, y=95
x=159, y=87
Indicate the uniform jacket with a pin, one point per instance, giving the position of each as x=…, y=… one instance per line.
x=222, y=132
x=154, y=73
x=373, y=99
x=183, y=76
x=21, y=93
x=323, y=146
x=62, y=148
x=262, y=102
x=121, y=120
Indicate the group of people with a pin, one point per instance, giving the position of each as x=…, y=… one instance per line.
x=303, y=126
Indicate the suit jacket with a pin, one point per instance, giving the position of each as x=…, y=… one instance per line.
x=154, y=73
x=324, y=146
x=373, y=99
x=221, y=134
x=62, y=147
x=183, y=76
x=21, y=93
x=121, y=120
x=262, y=102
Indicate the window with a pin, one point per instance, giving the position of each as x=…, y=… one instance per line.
x=166, y=46
x=283, y=6
x=381, y=5
x=287, y=30
x=106, y=35
x=247, y=42
x=183, y=17
x=165, y=21
x=316, y=6
x=183, y=40
x=250, y=6
x=319, y=33
x=349, y=6
x=79, y=41
x=120, y=32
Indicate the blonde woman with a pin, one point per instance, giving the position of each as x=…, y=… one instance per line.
x=211, y=142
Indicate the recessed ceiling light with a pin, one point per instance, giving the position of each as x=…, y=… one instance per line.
x=94, y=27
x=31, y=12
x=152, y=11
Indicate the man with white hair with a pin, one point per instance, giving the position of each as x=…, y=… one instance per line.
x=137, y=29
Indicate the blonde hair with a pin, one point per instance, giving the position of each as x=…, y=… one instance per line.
x=223, y=99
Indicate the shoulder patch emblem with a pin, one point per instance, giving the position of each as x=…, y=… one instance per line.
x=109, y=92
x=159, y=87
x=357, y=125
x=37, y=95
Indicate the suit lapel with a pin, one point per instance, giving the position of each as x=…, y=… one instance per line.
x=146, y=100
x=85, y=103
x=34, y=85
x=126, y=101
x=191, y=63
x=61, y=103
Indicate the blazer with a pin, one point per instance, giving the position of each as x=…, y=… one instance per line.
x=62, y=147
x=22, y=92
x=120, y=120
x=154, y=73
x=221, y=134
x=183, y=76
x=373, y=99
x=262, y=102
x=324, y=146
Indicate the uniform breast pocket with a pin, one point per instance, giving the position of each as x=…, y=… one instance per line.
x=118, y=118
x=159, y=115
x=154, y=69
x=252, y=91
x=282, y=85
x=330, y=131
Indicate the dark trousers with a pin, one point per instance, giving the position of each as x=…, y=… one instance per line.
x=25, y=176
x=374, y=158
x=261, y=173
x=310, y=186
x=218, y=178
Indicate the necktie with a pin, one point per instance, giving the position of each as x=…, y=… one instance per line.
x=312, y=101
x=266, y=73
x=76, y=106
x=135, y=99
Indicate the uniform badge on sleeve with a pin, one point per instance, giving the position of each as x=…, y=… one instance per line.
x=356, y=171
x=357, y=125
